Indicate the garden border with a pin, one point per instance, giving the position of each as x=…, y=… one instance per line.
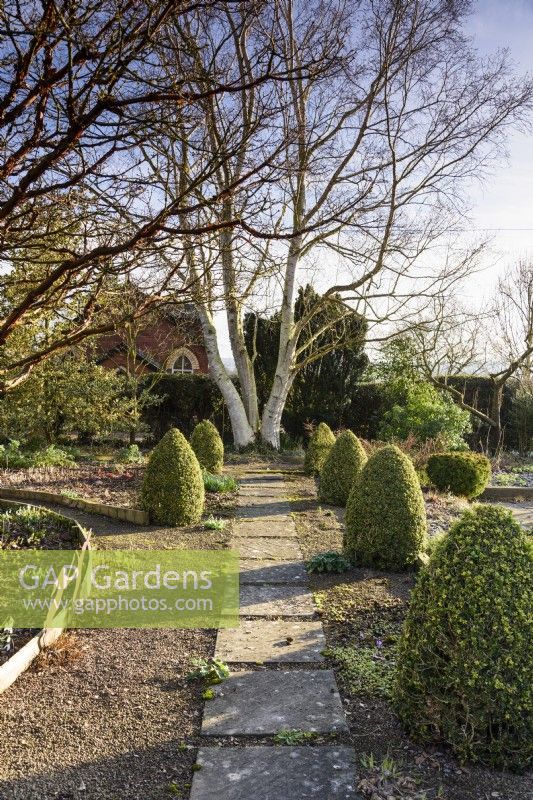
x=509, y=494
x=133, y=515
x=21, y=660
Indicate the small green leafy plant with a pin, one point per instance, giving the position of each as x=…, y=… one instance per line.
x=366, y=671
x=292, y=737
x=214, y=524
x=218, y=484
x=329, y=561
x=210, y=670
x=130, y=455
x=52, y=456
x=71, y=494
x=22, y=528
x=11, y=456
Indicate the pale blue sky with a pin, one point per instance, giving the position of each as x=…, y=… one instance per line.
x=506, y=200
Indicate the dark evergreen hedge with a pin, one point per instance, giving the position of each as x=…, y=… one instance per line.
x=185, y=401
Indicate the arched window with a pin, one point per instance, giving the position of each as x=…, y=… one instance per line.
x=182, y=362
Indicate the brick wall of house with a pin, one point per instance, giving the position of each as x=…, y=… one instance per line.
x=158, y=341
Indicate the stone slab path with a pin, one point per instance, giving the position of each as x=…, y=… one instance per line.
x=278, y=626
x=272, y=641
x=275, y=773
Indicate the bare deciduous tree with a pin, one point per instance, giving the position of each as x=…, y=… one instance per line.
x=376, y=142
x=83, y=90
x=496, y=342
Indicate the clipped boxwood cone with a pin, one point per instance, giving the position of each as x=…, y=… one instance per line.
x=321, y=441
x=208, y=446
x=462, y=474
x=464, y=668
x=342, y=467
x=386, y=524
x=173, y=488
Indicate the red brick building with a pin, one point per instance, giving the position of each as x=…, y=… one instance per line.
x=170, y=341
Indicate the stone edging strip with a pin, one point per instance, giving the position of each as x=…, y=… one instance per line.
x=133, y=515
x=21, y=660
x=507, y=494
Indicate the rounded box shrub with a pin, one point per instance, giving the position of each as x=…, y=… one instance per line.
x=173, y=487
x=464, y=669
x=208, y=446
x=321, y=441
x=386, y=522
x=341, y=468
x=463, y=474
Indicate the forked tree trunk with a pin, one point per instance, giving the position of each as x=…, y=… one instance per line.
x=243, y=435
x=243, y=363
x=284, y=377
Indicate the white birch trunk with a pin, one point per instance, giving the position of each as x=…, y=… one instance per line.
x=243, y=363
x=271, y=421
x=243, y=434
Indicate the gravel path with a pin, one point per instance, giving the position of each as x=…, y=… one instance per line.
x=109, y=715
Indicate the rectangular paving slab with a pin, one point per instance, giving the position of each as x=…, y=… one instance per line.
x=268, y=701
x=292, y=572
x=271, y=509
x=269, y=600
x=273, y=490
x=266, y=549
x=281, y=527
x=272, y=641
x=275, y=773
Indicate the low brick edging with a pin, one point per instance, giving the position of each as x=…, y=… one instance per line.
x=21, y=660
x=133, y=515
x=508, y=494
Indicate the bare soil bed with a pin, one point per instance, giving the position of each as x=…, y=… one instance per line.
x=110, y=714
x=119, y=486
x=362, y=612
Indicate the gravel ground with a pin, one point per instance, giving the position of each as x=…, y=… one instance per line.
x=108, y=714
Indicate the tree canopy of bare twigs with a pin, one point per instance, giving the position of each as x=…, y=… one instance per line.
x=368, y=154
x=84, y=89
x=229, y=150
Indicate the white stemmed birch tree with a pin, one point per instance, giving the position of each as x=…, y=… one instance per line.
x=361, y=153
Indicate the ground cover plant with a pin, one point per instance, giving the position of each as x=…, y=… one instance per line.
x=29, y=527
x=329, y=561
x=219, y=484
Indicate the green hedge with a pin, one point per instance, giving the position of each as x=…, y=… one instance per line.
x=173, y=487
x=386, y=522
x=208, y=446
x=463, y=474
x=321, y=441
x=464, y=672
x=181, y=402
x=341, y=468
